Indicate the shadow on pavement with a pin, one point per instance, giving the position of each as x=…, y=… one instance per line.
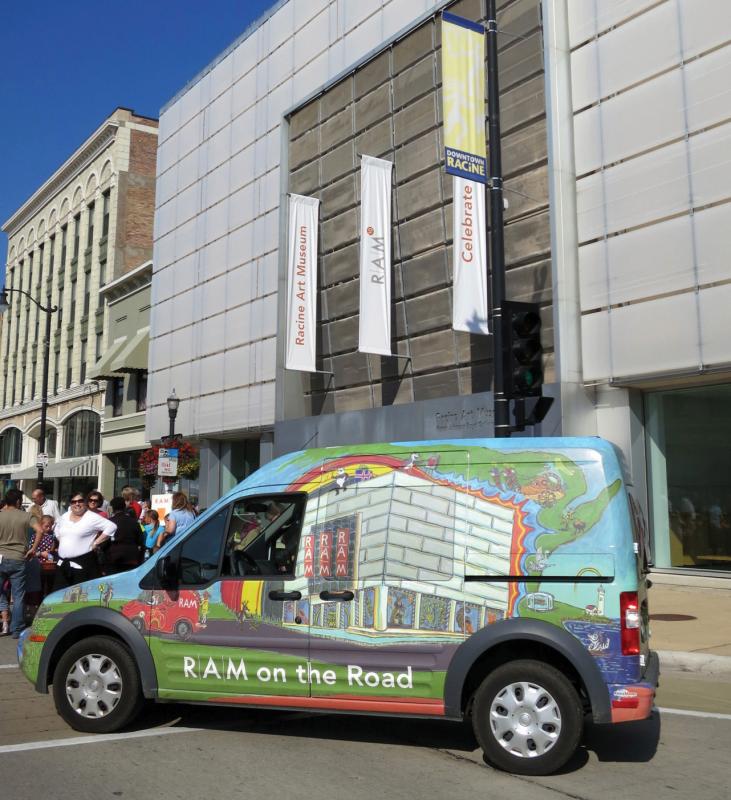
x=630, y=742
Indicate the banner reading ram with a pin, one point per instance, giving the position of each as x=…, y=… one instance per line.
x=463, y=92
x=302, y=283
x=374, y=334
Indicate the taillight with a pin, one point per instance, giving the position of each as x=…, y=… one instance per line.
x=629, y=617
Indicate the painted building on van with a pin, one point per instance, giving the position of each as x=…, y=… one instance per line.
x=616, y=224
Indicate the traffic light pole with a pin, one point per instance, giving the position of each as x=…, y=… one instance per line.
x=497, y=247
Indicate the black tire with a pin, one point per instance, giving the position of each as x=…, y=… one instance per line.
x=139, y=623
x=183, y=629
x=112, y=717
x=557, y=732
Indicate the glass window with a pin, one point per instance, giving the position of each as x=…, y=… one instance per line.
x=77, y=235
x=141, y=391
x=11, y=446
x=82, y=372
x=687, y=434
x=81, y=435
x=263, y=536
x=64, y=237
x=90, y=228
x=200, y=553
x=69, y=365
x=117, y=396
x=98, y=347
x=105, y=213
x=51, y=442
x=40, y=264
x=60, y=308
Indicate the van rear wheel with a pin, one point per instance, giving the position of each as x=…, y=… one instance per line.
x=528, y=718
x=96, y=686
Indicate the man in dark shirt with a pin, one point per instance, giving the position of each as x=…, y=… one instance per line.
x=14, y=552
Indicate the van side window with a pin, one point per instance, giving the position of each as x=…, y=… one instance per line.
x=263, y=536
x=200, y=553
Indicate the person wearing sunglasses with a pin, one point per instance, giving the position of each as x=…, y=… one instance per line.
x=79, y=533
x=95, y=501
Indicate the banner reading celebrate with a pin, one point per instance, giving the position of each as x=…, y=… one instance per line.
x=469, y=299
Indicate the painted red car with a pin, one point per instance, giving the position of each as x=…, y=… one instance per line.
x=157, y=612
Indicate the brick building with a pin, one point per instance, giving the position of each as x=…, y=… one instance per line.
x=89, y=224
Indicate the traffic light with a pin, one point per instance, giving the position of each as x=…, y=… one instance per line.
x=522, y=350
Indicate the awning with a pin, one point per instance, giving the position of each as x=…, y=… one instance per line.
x=61, y=469
x=102, y=368
x=133, y=356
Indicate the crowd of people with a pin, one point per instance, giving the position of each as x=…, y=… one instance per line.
x=53, y=550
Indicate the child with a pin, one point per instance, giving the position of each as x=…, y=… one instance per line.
x=47, y=551
x=151, y=524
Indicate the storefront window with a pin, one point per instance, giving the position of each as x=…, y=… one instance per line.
x=689, y=454
x=81, y=435
x=11, y=446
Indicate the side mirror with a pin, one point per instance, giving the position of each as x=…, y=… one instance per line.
x=166, y=570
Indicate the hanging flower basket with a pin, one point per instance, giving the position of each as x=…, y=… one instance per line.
x=188, y=461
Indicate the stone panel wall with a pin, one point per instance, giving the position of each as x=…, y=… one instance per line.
x=391, y=108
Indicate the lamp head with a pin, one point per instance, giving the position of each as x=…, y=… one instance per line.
x=4, y=304
x=173, y=402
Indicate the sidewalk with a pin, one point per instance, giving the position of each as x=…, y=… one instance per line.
x=691, y=626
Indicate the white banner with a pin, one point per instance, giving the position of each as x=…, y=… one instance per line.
x=469, y=305
x=302, y=283
x=374, y=335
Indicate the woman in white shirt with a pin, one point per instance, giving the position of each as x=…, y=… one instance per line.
x=79, y=533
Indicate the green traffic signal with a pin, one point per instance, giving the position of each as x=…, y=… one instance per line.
x=522, y=350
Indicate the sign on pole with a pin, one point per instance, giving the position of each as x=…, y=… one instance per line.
x=42, y=460
x=167, y=462
x=463, y=93
x=162, y=503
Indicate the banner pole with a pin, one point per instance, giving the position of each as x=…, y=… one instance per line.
x=497, y=247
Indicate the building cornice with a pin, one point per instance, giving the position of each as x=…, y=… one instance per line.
x=128, y=283
x=87, y=389
x=92, y=147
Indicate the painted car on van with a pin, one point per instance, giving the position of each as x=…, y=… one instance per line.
x=493, y=579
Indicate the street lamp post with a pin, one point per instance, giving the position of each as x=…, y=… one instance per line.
x=173, y=402
x=48, y=310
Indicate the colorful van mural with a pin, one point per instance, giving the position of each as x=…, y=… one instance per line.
x=374, y=579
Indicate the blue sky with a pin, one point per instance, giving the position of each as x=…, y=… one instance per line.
x=66, y=66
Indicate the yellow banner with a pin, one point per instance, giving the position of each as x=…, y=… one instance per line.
x=463, y=97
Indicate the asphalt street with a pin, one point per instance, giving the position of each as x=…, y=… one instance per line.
x=178, y=751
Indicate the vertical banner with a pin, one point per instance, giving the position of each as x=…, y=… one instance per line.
x=469, y=298
x=302, y=283
x=463, y=93
x=374, y=334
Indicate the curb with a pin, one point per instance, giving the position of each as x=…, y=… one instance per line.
x=707, y=663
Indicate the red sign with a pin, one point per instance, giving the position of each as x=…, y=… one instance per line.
x=309, y=542
x=326, y=540
x=341, y=552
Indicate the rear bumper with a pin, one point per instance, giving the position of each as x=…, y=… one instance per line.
x=635, y=701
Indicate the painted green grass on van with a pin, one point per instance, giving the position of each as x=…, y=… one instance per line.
x=169, y=657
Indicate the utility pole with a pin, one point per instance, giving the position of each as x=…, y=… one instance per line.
x=497, y=246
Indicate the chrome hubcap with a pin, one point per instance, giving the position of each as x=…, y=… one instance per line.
x=525, y=719
x=94, y=686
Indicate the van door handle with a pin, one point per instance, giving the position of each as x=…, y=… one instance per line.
x=277, y=595
x=342, y=596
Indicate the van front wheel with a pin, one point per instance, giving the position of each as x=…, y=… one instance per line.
x=527, y=718
x=96, y=686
